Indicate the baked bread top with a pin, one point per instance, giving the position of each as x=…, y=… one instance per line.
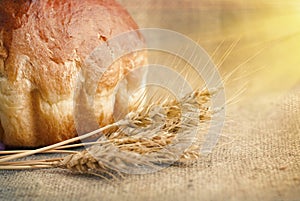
x=43, y=45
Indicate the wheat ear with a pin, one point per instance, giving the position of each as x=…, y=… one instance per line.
x=149, y=137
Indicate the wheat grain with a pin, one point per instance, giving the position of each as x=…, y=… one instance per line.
x=148, y=138
x=158, y=132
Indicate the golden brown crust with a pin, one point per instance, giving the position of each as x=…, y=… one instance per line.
x=42, y=47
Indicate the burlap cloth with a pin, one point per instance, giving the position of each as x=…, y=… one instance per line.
x=257, y=157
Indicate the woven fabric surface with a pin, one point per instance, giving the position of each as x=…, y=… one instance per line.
x=257, y=158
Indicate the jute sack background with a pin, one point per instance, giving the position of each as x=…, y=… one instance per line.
x=258, y=154
x=257, y=158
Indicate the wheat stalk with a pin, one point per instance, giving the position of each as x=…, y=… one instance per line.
x=149, y=137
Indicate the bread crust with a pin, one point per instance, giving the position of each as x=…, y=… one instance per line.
x=43, y=45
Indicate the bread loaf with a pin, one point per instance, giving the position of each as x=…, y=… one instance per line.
x=43, y=45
